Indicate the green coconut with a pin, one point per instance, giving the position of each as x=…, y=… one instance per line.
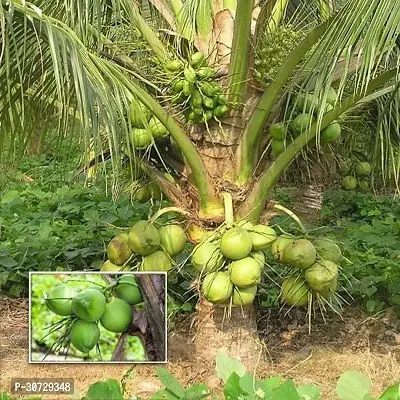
x=127, y=289
x=109, y=266
x=173, y=239
x=278, y=247
x=117, y=316
x=245, y=225
x=244, y=296
x=144, y=238
x=328, y=250
x=155, y=190
x=294, y=292
x=236, y=243
x=363, y=168
x=139, y=115
x=157, y=261
x=300, y=253
x=59, y=300
x=141, y=138
x=207, y=257
x=331, y=133
x=118, y=250
x=363, y=185
x=84, y=335
x=302, y=122
x=89, y=304
x=306, y=103
x=217, y=287
x=331, y=96
x=142, y=194
x=349, y=182
x=158, y=130
x=259, y=256
x=277, y=147
x=278, y=131
x=321, y=275
x=262, y=236
x=245, y=272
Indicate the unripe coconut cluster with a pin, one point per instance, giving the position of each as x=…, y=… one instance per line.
x=273, y=48
x=306, y=111
x=356, y=176
x=231, y=263
x=317, y=263
x=195, y=88
x=93, y=306
x=145, y=247
x=145, y=127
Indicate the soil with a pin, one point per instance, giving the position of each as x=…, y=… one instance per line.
x=353, y=340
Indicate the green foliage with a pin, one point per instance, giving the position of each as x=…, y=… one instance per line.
x=49, y=225
x=368, y=227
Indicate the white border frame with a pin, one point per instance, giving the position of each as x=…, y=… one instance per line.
x=97, y=273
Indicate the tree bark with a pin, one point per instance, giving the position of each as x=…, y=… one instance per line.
x=234, y=335
x=152, y=287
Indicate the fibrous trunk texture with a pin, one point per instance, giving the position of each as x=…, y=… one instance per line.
x=309, y=202
x=234, y=335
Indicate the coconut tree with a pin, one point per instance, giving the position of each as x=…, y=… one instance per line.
x=103, y=66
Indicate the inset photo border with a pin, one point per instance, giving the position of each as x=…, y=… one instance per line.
x=97, y=317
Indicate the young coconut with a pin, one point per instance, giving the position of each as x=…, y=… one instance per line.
x=117, y=316
x=259, y=256
x=118, y=250
x=207, y=257
x=59, y=300
x=321, y=276
x=89, y=304
x=363, y=168
x=300, y=253
x=157, y=261
x=262, y=236
x=294, y=292
x=217, y=287
x=245, y=272
x=236, y=243
x=144, y=238
x=84, y=335
x=278, y=247
x=127, y=289
x=244, y=296
x=173, y=239
x=109, y=266
x=349, y=182
x=328, y=250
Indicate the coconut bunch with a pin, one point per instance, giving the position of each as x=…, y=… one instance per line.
x=305, y=112
x=194, y=87
x=145, y=247
x=356, y=176
x=314, y=268
x=272, y=50
x=231, y=262
x=146, y=128
x=84, y=310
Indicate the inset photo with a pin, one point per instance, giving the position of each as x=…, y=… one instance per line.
x=86, y=317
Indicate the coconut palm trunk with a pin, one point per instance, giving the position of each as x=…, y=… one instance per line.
x=73, y=66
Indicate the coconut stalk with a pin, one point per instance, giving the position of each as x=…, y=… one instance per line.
x=239, y=63
x=246, y=155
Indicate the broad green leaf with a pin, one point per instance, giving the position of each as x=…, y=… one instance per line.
x=286, y=391
x=107, y=390
x=309, y=392
x=5, y=396
x=226, y=365
x=170, y=382
x=164, y=394
x=353, y=385
x=391, y=393
x=197, y=392
x=232, y=389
